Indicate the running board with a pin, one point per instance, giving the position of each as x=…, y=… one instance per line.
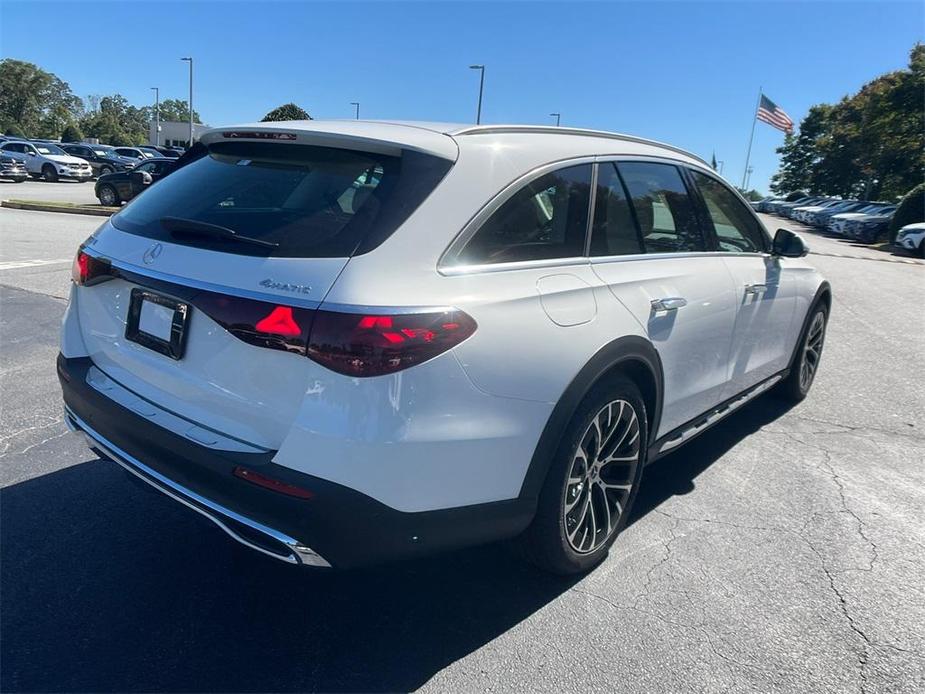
x=703, y=423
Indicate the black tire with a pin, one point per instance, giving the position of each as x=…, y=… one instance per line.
x=103, y=194
x=49, y=173
x=19, y=180
x=922, y=249
x=104, y=170
x=548, y=542
x=805, y=363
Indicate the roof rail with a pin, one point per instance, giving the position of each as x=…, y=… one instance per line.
x=559, y=130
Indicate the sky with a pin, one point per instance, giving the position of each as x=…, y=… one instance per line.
x=687, y=73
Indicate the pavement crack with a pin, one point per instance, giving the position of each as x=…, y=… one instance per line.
x=5, y=440
x=850, y=428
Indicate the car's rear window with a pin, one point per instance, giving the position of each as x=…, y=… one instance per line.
x=312, y=201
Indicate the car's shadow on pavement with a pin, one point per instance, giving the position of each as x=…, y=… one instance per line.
x=107, y=587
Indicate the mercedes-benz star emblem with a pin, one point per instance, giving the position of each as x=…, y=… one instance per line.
x=152, y=253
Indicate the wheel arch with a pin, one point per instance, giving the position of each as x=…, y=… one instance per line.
x=631, y=356
x=823, y=295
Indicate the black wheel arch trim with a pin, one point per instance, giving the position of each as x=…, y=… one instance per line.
x=623, y=350
x=823, y=293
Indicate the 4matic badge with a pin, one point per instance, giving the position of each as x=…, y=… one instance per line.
x=286, y=287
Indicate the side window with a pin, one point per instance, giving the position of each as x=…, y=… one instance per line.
x=547, y=218
x=614, y=231
x=663, y=208
x=149, y=167
x=737, y=230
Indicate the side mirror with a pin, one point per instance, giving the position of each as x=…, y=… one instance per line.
x=142, y=178
x=31, y=154
x=788, y=245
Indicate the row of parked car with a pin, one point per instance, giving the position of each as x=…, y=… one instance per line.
x=862, y=220
x=79, y=161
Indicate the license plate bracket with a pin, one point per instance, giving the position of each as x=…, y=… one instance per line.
x=172, y=340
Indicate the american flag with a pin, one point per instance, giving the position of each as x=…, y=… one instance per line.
x=774, y=115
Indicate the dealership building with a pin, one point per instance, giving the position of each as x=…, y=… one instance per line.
x=175, y=133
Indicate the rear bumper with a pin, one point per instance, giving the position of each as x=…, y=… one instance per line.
x=338, y=527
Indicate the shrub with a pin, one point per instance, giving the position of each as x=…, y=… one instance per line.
x=910, y=210
x=72, y=134
x=287, y=112
x=14, y=131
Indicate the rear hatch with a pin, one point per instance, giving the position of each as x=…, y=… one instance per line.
x=198, y=296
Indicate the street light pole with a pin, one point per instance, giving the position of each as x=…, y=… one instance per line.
x=748, y=175
x=190, y=61
x=558, y=117
x=481, y=69
x=721, y=163
x=357, y=105
x=157, y=116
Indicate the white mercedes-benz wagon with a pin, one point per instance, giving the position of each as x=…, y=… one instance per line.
x=346, y=342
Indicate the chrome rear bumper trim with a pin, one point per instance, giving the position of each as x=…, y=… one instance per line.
x=295, y=552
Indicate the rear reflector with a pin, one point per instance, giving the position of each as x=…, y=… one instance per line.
x=273, y=484
x=373, y=345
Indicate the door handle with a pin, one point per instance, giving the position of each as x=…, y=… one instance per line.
x=756, y=289
x=672, y=303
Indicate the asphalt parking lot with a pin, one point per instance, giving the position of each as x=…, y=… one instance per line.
x=781, y=551
x=62, y=191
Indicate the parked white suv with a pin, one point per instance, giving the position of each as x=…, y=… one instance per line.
x=48, y=161
x=346, y=342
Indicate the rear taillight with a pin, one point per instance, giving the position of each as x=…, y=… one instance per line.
x=373, y=345
x=258, y=322
x=88, y=270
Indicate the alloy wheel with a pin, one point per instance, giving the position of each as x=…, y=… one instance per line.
x=601, y=476
x=107, y=196
x=812, y=350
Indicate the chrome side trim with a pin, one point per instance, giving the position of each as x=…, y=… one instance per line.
x=518, y=265
x=703, y=424
x=297, y=552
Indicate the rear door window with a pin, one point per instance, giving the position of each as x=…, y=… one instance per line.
x=309, y=201
x=663, y=208
x=614, y=232
x=547, y=218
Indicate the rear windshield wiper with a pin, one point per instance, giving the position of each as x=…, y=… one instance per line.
x=178, y=226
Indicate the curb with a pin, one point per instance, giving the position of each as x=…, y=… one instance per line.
x=38, y=207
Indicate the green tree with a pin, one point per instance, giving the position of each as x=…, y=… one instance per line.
x=800, y=153
x=37, y=101
x=287, y=112
x=13, y=130
x=176, y=110
x=869, y=145
x=117, y=122
x=71, y=133
x=910, y=210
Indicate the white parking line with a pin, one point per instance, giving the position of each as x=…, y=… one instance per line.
x=16, y=264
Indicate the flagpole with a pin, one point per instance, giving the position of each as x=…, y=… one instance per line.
x=751, y=137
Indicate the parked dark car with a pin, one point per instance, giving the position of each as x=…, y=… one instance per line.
x=101, y=158
x=168, y=152
x=115, y=188
x=12, y=169
x=869, y=228
x=135, y=153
